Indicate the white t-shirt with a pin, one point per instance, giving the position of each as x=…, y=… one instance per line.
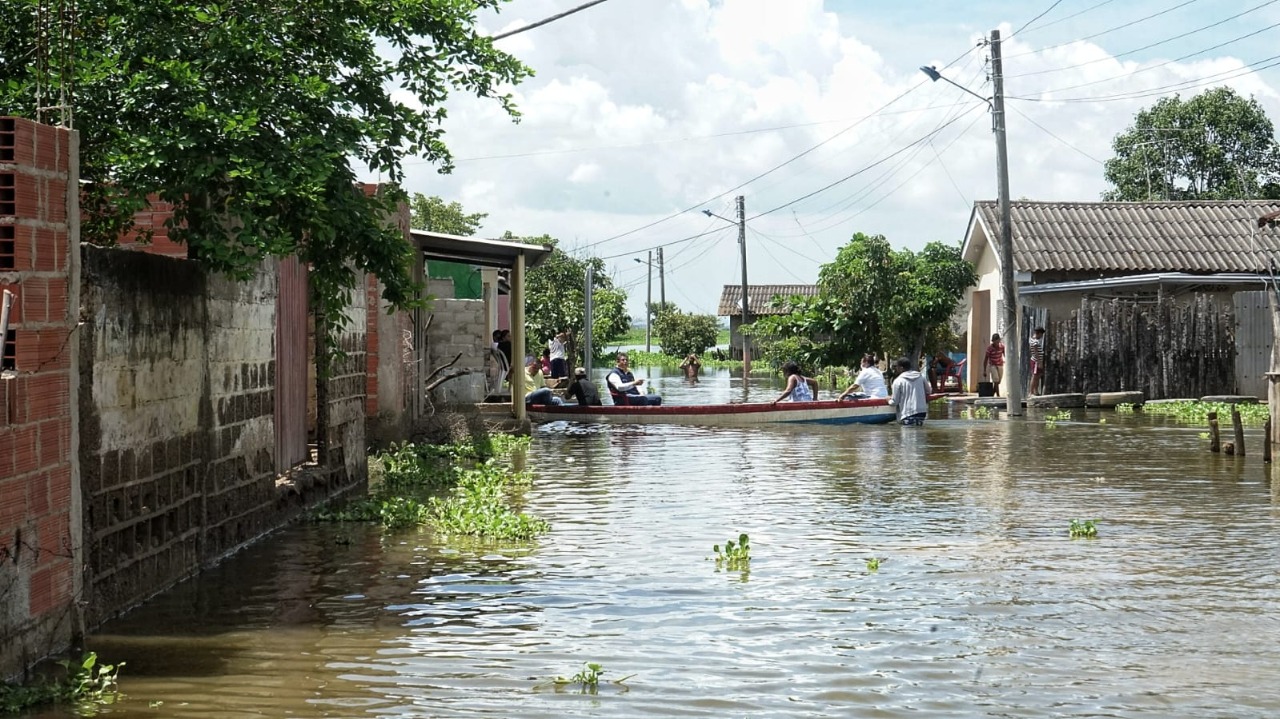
x=557, y=349
x=872, y=382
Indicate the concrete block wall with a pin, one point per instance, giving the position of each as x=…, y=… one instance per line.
x=457, y=327
x=145, y=413
x=347, y=386
x=40, y=530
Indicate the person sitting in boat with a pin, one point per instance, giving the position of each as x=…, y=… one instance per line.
x=910, y=394
x=625, y=388
x=869, y=382
x=538, y=392
x=799, y=388
x=583, y=389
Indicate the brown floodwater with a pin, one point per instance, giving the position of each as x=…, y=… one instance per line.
x=982, y=605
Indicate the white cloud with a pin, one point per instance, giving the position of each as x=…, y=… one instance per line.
x=642, y=109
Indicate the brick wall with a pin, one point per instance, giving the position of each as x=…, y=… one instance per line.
x=153, y=221
x=39, y=506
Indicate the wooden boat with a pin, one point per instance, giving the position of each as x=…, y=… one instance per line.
x=860, y=411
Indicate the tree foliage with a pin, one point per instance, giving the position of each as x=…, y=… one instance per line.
x=252, y=117
x=555, y=297
x=871, y=298
x=681, y=334
x=1214, y=146
x=435, y=215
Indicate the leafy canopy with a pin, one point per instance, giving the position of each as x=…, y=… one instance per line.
x=682, y=334
x=435, y=215
x=871, y=298
x=1214, y=146
x=252, y=118
x=555, y=297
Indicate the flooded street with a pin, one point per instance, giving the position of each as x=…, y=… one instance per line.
x=982, y=605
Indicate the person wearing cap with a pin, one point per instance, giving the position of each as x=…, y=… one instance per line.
x=583, y=389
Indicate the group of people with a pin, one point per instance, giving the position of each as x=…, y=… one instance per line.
x=624, y=387
x=910, y=396
x=993, y=362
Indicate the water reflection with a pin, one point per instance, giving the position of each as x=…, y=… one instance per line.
x=982, y=605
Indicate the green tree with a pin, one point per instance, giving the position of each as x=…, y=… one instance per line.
x=681, y=334
x=251, y=118
x=435, y=215
x=871, y=298
x=554, y=297
x=1215, y=146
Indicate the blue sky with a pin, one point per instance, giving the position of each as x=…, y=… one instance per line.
x=645, y=111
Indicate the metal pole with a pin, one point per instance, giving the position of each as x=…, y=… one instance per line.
x=588, y=352
x=648, y=307
x=662, y=281
x=742, y=244
x=1008, y=290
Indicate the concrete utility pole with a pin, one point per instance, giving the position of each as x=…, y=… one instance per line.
x=648, y=307
x=742, y=244
x=587, y=350
x=662, y=281
x=1008, y=288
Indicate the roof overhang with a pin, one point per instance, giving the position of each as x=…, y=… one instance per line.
x=473, y=251
x=1154, y=279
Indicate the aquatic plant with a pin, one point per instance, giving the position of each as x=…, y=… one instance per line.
x=459, y=489
x=587, y=679
x=85, y=684
x=873, y=564
x=734, y=556
x=1060, y=416
x=1204, y=435
x=976, y=413
x=1084, y=529
x=1196, y=412
x=1124, y=408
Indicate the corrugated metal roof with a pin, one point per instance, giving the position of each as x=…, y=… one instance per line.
x=758, y=298
x=1194, y=236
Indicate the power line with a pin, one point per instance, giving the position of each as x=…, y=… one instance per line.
x=1050, y=133
x=1146, y=47
x=693, y=207
x=1213, y=79
x=1127, y=75
x=1037, y=17
x=544, y=21
x=1023, y=30
x=1104, y=32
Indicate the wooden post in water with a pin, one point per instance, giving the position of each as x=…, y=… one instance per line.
x=1237, y=428
x=1266, y=442
x=1215, y=445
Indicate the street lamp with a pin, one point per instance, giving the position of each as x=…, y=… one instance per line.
x=742, y=244
x=1008, y=290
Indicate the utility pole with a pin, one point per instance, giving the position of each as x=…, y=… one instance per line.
x=662, y=281
x=587, y=350
x=742, y=244
x=1008, y=289
x=648, y=307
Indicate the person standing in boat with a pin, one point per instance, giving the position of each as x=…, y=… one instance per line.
x=625, y=388
x=583, y=389
x=869, y=382
x=910, y=394
x=557, y=354
x=799, y=388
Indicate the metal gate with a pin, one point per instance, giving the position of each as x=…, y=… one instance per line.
x=1253, y=343
x=291, y=365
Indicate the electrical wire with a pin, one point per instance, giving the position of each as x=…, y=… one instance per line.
x=544, y=21
x=1024, y=31
x=1179, y=36
x=1215, y=78
x=1104, y=32
x=1050, y=133
x=1046, y=11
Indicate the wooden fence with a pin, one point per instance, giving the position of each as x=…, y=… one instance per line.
x=1163, y=348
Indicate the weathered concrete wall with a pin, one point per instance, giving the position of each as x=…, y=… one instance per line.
x=40, y=531
x=457, y=327
x=177, y=398
x=347, y=385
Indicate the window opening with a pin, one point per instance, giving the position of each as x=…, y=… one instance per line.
x=7, y=247
x=9, y=355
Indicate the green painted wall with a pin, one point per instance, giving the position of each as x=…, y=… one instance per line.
x=466, y=279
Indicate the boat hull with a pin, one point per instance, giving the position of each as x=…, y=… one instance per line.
x=867, y=411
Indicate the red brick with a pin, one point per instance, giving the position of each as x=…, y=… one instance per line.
x=44, y=350
x=57, y=289
x=48, y=396
x=60, y=487
x=50, y=440
x=13, y=504
x=38, y=495
x=25, y=458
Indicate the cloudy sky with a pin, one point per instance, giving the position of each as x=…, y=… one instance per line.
x=644, y=112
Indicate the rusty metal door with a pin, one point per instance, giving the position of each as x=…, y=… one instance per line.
x=291, y=365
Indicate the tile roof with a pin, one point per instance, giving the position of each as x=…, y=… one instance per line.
x=1193, y=236
x=758, y=297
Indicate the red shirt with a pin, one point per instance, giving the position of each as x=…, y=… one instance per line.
x=995, y=354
